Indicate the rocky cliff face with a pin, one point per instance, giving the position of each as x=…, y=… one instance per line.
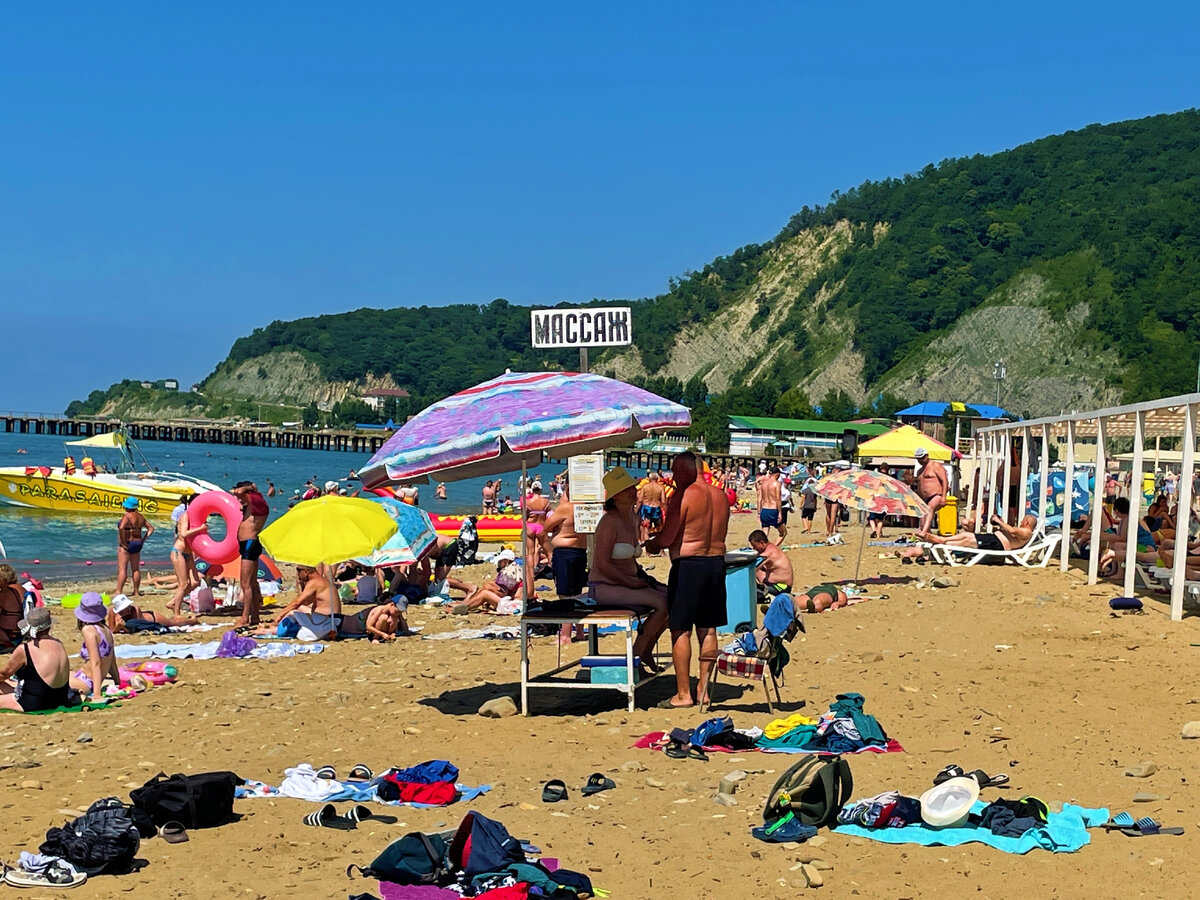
x=288, y=378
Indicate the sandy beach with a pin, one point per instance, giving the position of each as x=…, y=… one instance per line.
x=1014, y=671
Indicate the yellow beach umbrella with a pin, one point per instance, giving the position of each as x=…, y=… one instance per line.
x=328, y=530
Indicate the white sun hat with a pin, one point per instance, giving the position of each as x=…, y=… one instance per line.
x=949, y=803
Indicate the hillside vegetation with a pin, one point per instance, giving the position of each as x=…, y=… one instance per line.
x=1075, y=257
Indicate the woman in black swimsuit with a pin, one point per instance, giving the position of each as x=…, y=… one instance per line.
x=39, y=668
x=123, y=611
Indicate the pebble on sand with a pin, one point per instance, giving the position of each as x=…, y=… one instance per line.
x=499, y=708
x=1191, y=730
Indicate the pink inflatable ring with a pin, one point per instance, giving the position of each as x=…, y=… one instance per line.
x=217, y=503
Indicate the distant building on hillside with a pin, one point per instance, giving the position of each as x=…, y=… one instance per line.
x=767, y=436
x=170, y=384
x=147, y=384
x=376, y=398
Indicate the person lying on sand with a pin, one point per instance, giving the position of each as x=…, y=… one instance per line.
x=123, y=611
x=820, y=598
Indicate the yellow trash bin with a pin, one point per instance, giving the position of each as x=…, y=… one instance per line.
x=948, y=516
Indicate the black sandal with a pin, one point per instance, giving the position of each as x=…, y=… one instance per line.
x=675, y=750
x=360, y=773
x=554, y=790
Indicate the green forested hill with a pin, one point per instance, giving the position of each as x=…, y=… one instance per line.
x=896, y=288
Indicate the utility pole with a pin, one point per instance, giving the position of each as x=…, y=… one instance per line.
x=998, y=372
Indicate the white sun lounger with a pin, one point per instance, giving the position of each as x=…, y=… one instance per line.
x=1035, y=554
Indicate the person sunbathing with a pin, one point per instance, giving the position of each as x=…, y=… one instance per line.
x=307, y=618
x=379, y=623
x=500, y=595
x=122, y=611
x=1006, y=537
x=820, y=598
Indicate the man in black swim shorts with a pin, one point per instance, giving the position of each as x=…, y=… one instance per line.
x=696, y=524
x=254, y=517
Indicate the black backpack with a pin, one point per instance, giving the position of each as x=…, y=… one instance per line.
x=814, y=790
x=415, y=858
x=105, y=840
x=194, y=801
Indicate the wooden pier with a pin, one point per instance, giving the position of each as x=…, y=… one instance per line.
x=201, y=433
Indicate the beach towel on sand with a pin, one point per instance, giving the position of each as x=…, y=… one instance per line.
x=1065, y=832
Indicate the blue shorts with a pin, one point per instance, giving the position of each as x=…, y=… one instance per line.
x=651, y=514
x=768, y=518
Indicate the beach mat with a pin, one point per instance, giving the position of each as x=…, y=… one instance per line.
x=87, y=706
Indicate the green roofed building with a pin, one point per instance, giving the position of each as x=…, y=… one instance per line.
x=767, y=436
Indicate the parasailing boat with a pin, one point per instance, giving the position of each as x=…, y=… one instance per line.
x=85, y=486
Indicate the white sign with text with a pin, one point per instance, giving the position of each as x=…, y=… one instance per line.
x=593, y=327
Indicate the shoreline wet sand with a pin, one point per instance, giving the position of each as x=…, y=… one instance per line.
x=1022, y=672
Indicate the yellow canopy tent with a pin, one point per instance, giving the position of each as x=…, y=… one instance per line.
x=111, y=440
x=902, y=442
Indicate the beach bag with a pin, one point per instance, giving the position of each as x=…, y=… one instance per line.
x=483, y=845
x=415, y=858
x=813, y=790
x=105, y=839
x=194, y=801
x=201, y=600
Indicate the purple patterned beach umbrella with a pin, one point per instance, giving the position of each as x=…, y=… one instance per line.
x=508, y=421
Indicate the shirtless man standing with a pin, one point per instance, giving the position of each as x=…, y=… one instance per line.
x=569, y=557
x=254, y=517
x=931, y=486
x=775, y=571
x=697, y=520
x=650, y=505
x=769, y=503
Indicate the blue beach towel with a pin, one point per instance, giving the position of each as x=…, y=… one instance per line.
x=1065, y=832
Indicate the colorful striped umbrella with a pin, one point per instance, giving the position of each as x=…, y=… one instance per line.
x=510, y=421
x=871, y=492
x=414, y=535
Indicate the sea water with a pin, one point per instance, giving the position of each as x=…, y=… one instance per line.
x=65, y=543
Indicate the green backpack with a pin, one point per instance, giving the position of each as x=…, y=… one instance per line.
x=814, y=790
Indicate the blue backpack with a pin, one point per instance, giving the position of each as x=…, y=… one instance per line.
x=482, y=845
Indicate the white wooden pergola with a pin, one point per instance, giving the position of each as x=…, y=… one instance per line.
x=1169, y=417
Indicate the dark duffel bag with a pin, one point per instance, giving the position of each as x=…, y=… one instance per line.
x=195, y=801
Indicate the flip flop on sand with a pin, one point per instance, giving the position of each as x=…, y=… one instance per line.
x=675, y=750
x=327, y=817
x=1145, y=827
x=667, y=704
x=359, y=813
x=327, y=772
x=596, y=783
x=554, y=790
x=983, y=778
x=173, y=833
x=360, y=773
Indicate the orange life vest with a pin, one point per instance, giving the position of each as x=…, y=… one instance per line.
x=89, y=467
x=69, y=465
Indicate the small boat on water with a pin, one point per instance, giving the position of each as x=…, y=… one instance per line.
x=86, y=487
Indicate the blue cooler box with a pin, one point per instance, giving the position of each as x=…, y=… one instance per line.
x=741, y=592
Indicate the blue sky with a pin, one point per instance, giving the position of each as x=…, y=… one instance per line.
x=175, y=175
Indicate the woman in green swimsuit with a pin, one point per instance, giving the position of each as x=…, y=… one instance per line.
x=821, y=597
